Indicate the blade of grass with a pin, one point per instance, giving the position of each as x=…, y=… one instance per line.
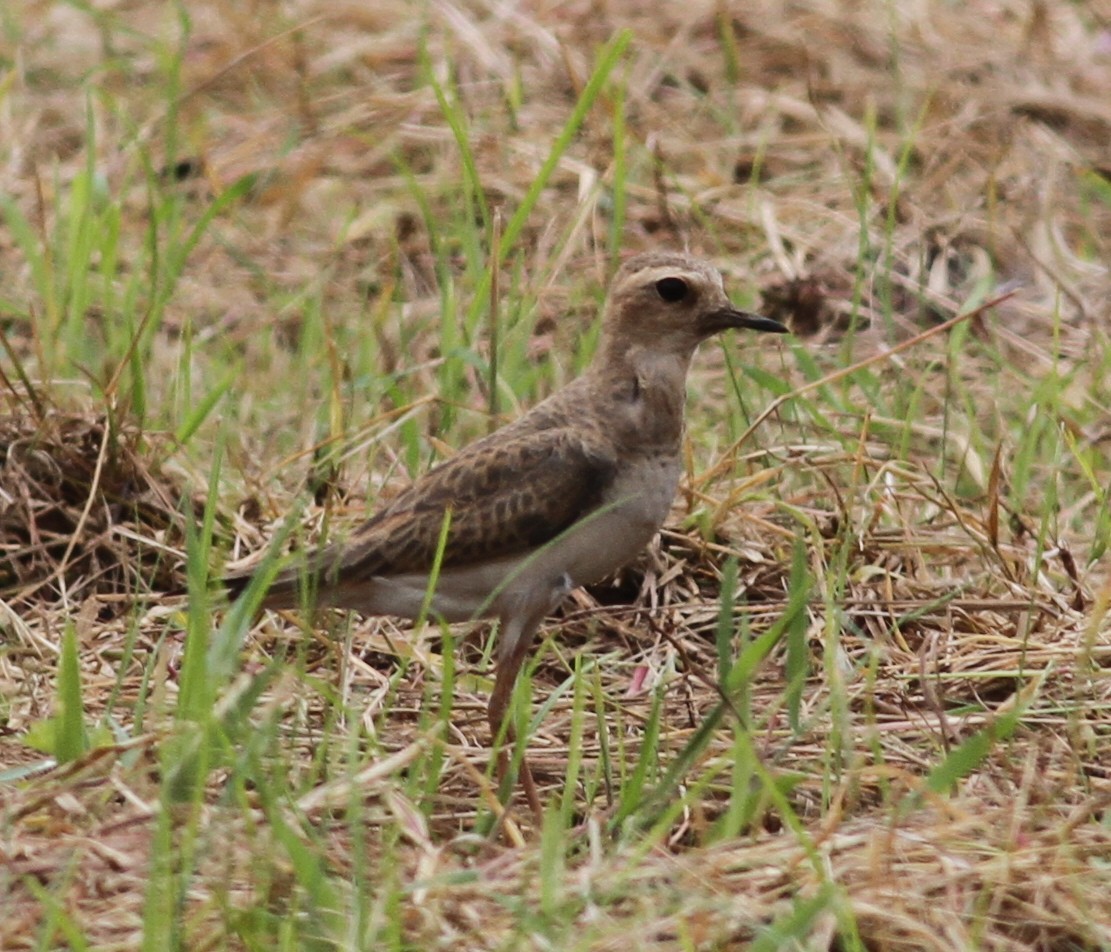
x=72, y=739
x=740, y=674
x=634, y=788
x=797, y=665
x=608, y=58
x=58, y=919
x=963, y=759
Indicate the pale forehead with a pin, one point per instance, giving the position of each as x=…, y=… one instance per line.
x=654, y=266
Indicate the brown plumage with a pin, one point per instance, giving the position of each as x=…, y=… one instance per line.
x=509, y=493
x=561, y=497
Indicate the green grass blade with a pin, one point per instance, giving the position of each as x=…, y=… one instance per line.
x=201, y=411
x=607, y=60
x=797, y=621
x=967, y=756
x=72, y=739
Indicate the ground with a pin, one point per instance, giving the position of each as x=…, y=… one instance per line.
x=262, y=264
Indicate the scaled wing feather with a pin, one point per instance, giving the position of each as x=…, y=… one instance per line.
x=505, y=497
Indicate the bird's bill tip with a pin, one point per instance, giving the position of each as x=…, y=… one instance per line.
x=753, y=322
x=757, y=322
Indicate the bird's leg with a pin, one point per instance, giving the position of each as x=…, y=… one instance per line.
x=515, y=639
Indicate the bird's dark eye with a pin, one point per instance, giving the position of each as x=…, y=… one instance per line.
x=672, y=289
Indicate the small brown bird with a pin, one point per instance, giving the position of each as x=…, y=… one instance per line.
x=561, y=497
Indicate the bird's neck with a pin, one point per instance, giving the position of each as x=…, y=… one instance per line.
x=649, y=388
x=618, y=354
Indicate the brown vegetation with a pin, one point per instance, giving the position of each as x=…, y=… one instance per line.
x=871, y=169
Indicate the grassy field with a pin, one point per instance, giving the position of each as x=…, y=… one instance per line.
x=261, y=264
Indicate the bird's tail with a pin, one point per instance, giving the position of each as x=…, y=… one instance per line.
x=295, y=586
x=283, y=592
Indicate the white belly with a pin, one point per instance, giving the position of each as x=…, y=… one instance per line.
x=630, y=516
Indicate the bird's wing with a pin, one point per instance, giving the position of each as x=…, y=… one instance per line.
x=506, y=496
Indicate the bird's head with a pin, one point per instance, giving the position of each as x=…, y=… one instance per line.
x=672, y=302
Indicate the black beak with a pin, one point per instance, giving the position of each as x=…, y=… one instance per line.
x=728, y=317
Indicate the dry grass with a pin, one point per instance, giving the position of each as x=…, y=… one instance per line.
x=921, y=761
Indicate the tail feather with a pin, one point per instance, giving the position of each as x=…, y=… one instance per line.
x=283, y=592
x=289, y=587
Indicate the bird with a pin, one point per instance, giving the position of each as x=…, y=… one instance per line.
x=561, y=497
